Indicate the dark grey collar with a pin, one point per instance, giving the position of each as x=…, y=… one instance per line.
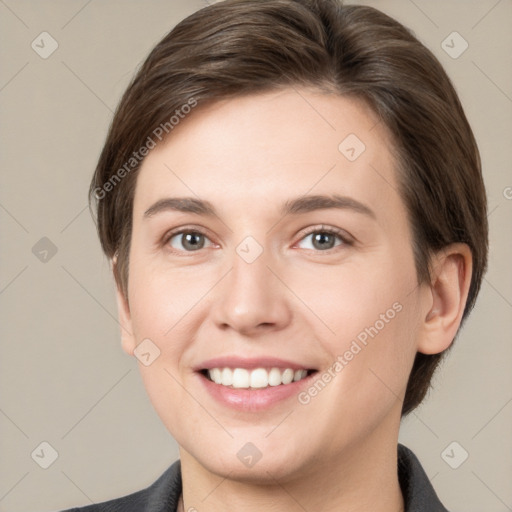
x=418, y=493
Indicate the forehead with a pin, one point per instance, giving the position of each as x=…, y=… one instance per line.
x=258, y=150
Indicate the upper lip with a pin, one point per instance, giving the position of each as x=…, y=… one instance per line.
x=250, y=363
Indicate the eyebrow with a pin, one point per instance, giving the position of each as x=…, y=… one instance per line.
x=297, y=206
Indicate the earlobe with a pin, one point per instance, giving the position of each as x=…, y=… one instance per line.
x=125, y=321
x=448, y=292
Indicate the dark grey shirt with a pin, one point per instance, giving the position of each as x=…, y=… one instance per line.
x=163, y=495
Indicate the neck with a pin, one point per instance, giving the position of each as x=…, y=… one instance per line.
x=365, y=480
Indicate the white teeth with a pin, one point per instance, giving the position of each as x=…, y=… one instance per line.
x=226, y=377
x=274, y=377
x=287, y=376
x=258, y=378
x=241, y=378
x=299, y=375
x=216, y=376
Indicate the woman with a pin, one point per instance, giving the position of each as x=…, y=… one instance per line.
x=292, y=201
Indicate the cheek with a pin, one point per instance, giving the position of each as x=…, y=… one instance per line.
x=371, y=360
x=373, y=314
x=161, y=298
x=166, y=306
x=159, y=306
x=375, y=379
x=352, y=296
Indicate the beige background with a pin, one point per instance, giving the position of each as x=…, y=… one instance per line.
x=63, y=376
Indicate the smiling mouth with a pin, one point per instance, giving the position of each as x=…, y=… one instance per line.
x=258, y=378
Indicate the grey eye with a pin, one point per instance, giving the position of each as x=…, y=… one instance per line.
x=188, y=240
x=322, y=240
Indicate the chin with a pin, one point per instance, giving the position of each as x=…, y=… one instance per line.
x=248, y=463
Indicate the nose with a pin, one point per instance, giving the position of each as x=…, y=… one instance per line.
x=252, y=299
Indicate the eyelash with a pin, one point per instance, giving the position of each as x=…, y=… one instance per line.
x=342, y=235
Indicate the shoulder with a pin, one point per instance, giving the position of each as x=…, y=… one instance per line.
x=162, y=495
x=418, y=493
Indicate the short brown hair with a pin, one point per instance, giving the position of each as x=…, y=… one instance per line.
x=239, y=47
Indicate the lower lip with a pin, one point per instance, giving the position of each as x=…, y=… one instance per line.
x=251, y=399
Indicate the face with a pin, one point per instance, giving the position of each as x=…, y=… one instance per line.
x=270, y=245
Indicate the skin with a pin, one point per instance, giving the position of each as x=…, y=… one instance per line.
x=296, y=301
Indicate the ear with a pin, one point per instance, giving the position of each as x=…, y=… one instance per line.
x=446, y=298
x=125, y=320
